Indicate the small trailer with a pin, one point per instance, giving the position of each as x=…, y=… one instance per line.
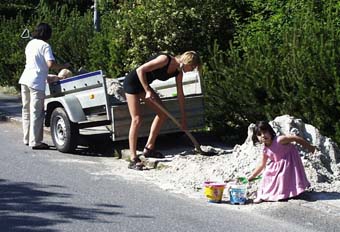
x=82, y=101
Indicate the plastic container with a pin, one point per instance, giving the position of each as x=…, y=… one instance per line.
x=238, y=194
x=214, y=191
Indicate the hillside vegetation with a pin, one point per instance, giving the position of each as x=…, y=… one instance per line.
x=261, y=58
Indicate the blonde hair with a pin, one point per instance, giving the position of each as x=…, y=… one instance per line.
x=191, y=58
x=65, y=73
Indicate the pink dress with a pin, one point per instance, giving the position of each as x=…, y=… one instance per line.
x=284, y=176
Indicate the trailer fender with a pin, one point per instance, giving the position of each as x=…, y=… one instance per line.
x=72, y=107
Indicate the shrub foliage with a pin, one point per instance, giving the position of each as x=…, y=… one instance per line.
x=283, y=60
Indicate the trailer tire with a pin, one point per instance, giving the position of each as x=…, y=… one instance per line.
x=64, y=133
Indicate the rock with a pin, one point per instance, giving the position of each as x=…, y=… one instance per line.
x=115, y=90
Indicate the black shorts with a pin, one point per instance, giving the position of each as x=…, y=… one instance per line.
x=132, y=83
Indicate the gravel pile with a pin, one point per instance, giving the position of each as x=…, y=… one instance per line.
x=187, y=172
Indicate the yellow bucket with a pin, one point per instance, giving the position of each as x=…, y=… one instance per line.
x=214, y=191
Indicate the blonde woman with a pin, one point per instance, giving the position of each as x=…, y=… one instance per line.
x=137, y=87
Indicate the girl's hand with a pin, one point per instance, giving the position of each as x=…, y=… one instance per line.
x=250, y=178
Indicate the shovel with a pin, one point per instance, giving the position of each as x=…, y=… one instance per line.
x=244, y=180
x=191, y=137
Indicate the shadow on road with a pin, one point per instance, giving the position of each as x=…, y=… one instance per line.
x=99, y=145
x=174, y=143
x=28, y=207
x=319, y=196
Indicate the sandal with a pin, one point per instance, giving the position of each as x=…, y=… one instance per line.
x=136, y=164
x=151, y=153
x=41, y=146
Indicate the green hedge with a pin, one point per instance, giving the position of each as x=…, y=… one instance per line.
x=283, y=61
x=11, y=54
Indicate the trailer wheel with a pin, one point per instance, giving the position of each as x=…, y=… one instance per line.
x=64, y=132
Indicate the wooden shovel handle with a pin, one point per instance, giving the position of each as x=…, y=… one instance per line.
x=191, y=137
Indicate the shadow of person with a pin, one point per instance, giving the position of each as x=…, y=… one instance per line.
x=312, y=196
x=29, y=206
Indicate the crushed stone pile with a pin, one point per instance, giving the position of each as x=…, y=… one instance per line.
x=115, y=90
x=186, y=173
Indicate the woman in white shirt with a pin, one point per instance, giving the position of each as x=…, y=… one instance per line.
x=39, y=59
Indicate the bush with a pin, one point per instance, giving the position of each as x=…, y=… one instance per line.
x=12, y=58
x=136, y=31
x=288, y=64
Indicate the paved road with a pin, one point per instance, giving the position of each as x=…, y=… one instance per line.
x=51, y=191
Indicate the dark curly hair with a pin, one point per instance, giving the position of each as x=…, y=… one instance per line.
x=43, y=31
x=262, y=126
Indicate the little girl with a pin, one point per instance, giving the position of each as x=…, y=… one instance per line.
x=284, y=176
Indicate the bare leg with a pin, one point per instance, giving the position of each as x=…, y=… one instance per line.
x=157, y=123
x=136, y=120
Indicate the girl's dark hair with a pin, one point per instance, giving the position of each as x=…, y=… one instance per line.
x=262, y=126
x=43, y=31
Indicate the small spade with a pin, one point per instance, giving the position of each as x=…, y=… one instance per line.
x=244, y=180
